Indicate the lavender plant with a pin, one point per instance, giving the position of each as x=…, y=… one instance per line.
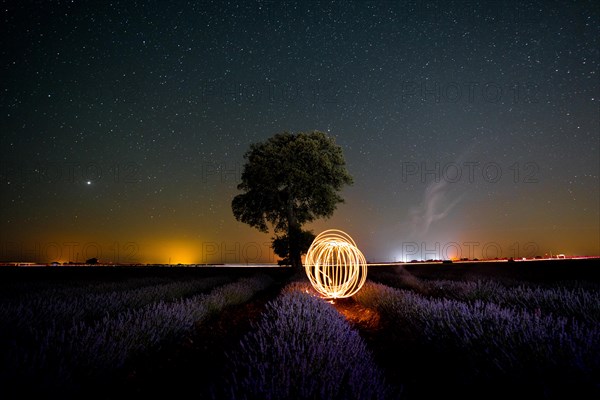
x=302, y=348
x=57, y=308
x=501, y=340
x=574, y=302
x=60, y=357
x=559, y=298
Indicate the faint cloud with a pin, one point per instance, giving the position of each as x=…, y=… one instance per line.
x=434, y=207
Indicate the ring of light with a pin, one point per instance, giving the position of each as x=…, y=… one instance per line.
x=334, y=265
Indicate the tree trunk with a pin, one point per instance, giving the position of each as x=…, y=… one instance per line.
x=293, y=238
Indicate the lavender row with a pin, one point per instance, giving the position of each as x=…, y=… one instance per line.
x=22, y=291
x=302, y=348
x=577, y=302
x=64, y=307
x=508, y=340
x=84, y=352
x=569, y=302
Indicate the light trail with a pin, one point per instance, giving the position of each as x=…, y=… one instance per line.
x=334, y=265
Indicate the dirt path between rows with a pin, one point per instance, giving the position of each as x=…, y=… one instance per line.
x=372, y=328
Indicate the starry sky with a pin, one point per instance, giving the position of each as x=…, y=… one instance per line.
x=471, y=128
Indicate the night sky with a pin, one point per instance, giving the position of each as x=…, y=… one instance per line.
x=471, y=128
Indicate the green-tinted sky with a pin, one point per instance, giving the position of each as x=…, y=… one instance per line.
x=469, y=127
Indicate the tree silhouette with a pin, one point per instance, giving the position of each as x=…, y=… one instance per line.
x=281, y=245
x=289, y=180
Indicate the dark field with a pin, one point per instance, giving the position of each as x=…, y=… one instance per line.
x=415, y=331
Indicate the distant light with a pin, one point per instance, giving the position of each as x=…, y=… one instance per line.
x=89, y=182
x=334, y=264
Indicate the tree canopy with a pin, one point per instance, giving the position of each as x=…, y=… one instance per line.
x=289, y=180
x=281, y=245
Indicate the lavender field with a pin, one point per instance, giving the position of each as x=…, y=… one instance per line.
x=267, y=334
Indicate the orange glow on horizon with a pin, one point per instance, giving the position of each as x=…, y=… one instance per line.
x=174, y=252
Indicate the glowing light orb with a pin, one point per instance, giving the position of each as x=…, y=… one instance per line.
x=334, y=264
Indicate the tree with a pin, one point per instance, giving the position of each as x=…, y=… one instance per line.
x=289, y=180
x=281, y=245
